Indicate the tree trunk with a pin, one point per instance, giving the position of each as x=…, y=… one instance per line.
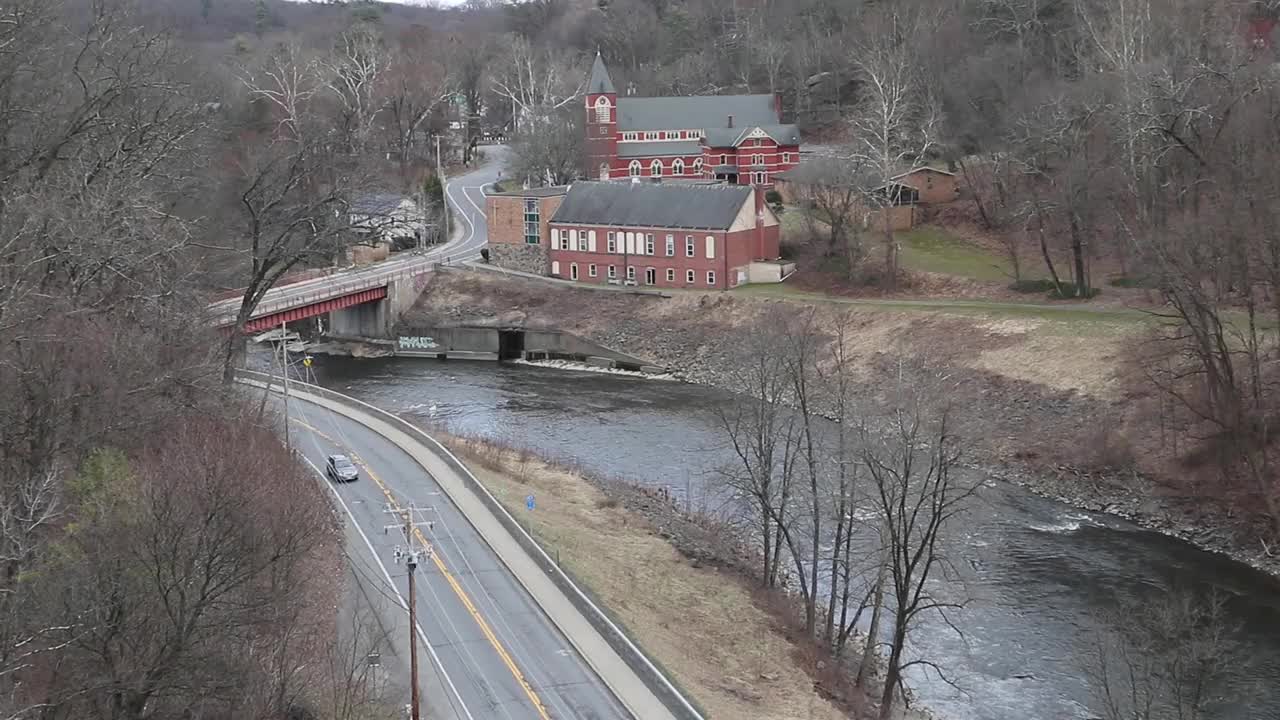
x=1048, y=260
x=892, y=673
x=869, y=648
x=1077, y=256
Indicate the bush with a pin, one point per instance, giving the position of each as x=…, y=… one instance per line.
x=1047, y=287
x=773, y=197
x=1134, y=281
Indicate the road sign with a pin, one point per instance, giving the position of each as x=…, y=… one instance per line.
x=528, y=502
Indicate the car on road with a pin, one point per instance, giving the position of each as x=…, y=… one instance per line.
x=339, y=468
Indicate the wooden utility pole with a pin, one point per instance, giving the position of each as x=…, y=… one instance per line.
x=444, y=191
x=411, y=556
x=284, y=373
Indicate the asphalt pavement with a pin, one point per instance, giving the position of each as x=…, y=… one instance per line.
x=490, y=652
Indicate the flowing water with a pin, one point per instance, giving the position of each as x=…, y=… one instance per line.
x=1041, y=578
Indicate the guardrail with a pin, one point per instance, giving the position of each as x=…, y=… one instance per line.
x=633, y=656
x=326, y=292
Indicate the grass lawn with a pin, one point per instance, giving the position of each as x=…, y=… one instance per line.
x=933, y=249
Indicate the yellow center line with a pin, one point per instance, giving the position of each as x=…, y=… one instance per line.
x=448, y=576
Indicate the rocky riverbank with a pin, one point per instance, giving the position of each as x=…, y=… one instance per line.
x=1057, y=407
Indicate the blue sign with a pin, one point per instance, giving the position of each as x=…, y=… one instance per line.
x=528, y=502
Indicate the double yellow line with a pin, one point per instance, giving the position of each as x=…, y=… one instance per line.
x=448, y=576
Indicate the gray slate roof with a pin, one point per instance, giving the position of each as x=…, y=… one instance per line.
x=378, y=204
x=625, y=204
x=599, y=82
x=659, y=148
x=698, y=111
x=730, y=137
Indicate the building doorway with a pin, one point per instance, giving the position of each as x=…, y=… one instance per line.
x=573, y=271
x=650, y=276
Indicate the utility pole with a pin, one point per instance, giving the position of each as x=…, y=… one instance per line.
x=284, y=373
x=411, y=557
x=444, y=192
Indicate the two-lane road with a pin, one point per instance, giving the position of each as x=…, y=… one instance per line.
x=492, y=653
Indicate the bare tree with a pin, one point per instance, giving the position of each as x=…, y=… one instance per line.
x=538, y=83
x=913, y=489
x=353, y=72
x=418, y=86
x=895, y=126
x=1171, y=657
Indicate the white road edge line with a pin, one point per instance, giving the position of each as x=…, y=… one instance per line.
x=391, y=583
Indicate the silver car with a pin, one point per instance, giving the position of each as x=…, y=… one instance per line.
x=339, y=468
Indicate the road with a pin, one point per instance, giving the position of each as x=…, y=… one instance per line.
x=490, y=650
x=466, y=202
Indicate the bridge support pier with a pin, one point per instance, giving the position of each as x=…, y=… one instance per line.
x=375, y=320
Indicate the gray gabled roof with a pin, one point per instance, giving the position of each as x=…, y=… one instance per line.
x=378, y=204
x=695, y=112
x=599, y=82
x=731, y=137
x=660, y=148
x=538, y=192
x=626, y=204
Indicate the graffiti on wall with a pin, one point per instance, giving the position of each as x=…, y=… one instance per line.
x=416, y=343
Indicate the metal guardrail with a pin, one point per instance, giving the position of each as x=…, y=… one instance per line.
x=653, y=677
x=326, y=292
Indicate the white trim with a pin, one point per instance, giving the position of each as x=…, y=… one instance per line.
x=591, y=241
x=658, y=164
x=711, y=247
x=634, y=168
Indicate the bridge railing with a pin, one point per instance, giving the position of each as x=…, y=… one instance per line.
x=269, y=305
x=654, y=677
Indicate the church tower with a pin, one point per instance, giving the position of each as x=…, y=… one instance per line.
x=602, y=123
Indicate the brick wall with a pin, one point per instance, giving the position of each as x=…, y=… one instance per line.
x=505, y=216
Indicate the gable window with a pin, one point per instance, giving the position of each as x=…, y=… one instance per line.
x=689, y=248
x=671, y=245
x=634, y=168
x=648, y=244
x=612, y=242
x=603, y=111
x=671, y=274
x=655, y=168
x=677, y=167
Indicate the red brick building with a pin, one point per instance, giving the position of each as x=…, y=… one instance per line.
x=519, y=224
x=740, y=139
x=670, y=235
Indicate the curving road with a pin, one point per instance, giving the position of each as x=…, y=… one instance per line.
x=491, y=652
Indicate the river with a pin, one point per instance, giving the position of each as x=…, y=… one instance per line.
x=1041, y=577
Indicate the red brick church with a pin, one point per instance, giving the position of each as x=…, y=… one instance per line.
x=740, y=139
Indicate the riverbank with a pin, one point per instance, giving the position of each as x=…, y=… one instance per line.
x=677, y=582
x=1055, y=401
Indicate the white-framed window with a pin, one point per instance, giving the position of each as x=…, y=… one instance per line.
x=591, y=270
x=786, y=157
x=613, y=272
x=631, y=244
x=655, y=168
x=671, y=245
x=604, y=111
x=634, y=168
x=724, y=159
x=677, y=166
x=697, y=166
x=651, y=136
x=650, y=276
x=690, y=276
x=612, y=242
x=564, y=239
x=631, y=273
x=591, y=241
x=573, y=240
x=711, y=278
x=573, y=271
x=760, y=178
x=648, y=244
x=555, y=267
x=671, y=274
x=757, y=159
x=689, y=249
x=711, y=247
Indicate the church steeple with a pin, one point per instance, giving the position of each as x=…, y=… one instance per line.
x=599, y=82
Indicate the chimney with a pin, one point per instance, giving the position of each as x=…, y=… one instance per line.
x=730, y=121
